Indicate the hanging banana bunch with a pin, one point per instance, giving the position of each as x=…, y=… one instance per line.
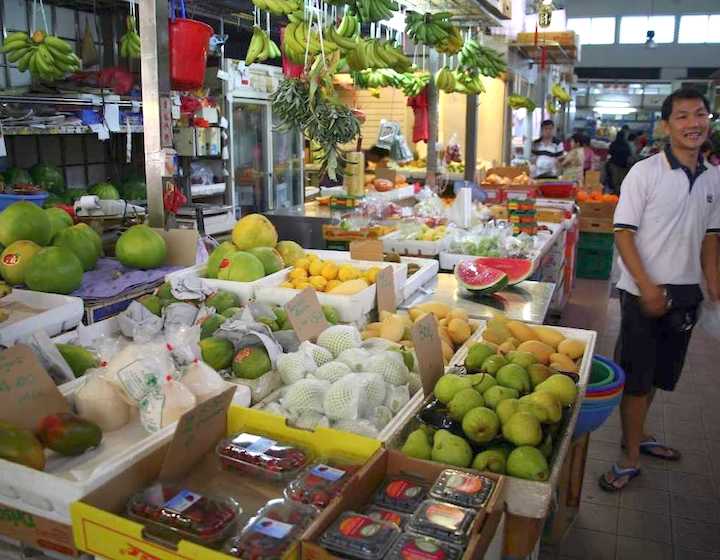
x=261, y=48
x=279, y=7
x=130, y=41
x=561, y=94
x=452, y=44
x=445, y=80
x=521, y=102
x=46, y=57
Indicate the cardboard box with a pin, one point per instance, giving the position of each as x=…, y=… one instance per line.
x=597, y=209
x=100, y=527
x=552, y=215
x=393, y=463
x=596, y=225
x=564, y=38
x=37, y=531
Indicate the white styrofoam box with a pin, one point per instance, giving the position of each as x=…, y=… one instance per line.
x=393, y=243
x=350, y=309
x=244, y=290
x=427, y=271
x=408, y=191
x=34, y=311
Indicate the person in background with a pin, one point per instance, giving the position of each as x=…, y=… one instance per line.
x=573, y=162
x=379, y=157
x=618, y=164
x=641, y=140
x=631, y=138
x=546, y=152
x=666, y=231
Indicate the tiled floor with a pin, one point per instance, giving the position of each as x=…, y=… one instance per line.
x=672, y=510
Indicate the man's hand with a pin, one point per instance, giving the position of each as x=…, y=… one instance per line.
x=653, y=300
x=713, y=291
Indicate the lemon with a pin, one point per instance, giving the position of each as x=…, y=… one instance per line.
x=332, y=284
x=318, y=282
x=313, y=257
x=371, y=274
x=329, y=271
x=347, y=272
x=298, y=274
x=301, y=284
x=316, y=268
x=303, y=263
x=287, y=284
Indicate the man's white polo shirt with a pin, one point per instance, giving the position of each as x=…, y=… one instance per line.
x=671, y=210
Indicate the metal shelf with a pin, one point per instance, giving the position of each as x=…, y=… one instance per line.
x=58, y=130
x=84, y=99
x=554, y=52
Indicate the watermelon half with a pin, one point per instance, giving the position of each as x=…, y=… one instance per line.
x=478, y=278
x=517, y=270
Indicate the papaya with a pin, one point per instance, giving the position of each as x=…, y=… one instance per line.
x=78, y=358
x=68, y=434
x=21, y=446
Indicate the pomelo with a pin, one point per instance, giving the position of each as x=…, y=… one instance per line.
x=141, y=247
x=15, y=259
x=54, y=269
x=92, y=235
x=241, y=266
x=48, y=177
x=271, y=260
x=24, y=221
x=105, y=191
x=251, y=363
x=219, y=253
x=59, y=219
x=254, y=230
x=79, y=242
x=290, y=252
x=217, y=352
x=222, y=300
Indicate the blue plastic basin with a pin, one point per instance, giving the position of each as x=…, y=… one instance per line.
x=7, y=199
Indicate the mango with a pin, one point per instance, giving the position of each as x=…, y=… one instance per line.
x=572, y=348
x=350, y=288
x=21, y=446
x=521, y=331
x=562, y=362
x=447, y=351
x=548, y=335
x=440, y=310
x=68, y=434
x=459, y=330
x=538, y=349
x=506, y=347
x=416, y=313
x=392, y=328
x=458, y=313
x=495, y=335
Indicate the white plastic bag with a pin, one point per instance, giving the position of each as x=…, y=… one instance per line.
x=203, y=381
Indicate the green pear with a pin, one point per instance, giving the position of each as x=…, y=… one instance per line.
x=514, y=377
x=480, y=424
x=451, y=450
x=538, y=373
x=549, y=402
x=493, y=363
x=418, y=445
x=523, y=359
x=560, y=386
x=464, y=401
x=535, y=409
x=546, y=447
x=476, y=356
x=449, y=384
x=505, y=409
x=523, y=429
x=493, y=460
x=529, y=463
x=498, y=393
x=483, y=381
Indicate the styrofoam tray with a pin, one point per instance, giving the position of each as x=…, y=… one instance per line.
x=349, y=308
x=34, y=311
x=244, y=290
x=526, y=498
x=400, y=193
x=392, y=243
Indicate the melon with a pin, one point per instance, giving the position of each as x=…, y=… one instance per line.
x=134, y=189
x=55, y=270
x=80, y=243
x=48, y=178
x=517, y=270
x=15, y=259
x=141, y=247
x=24, y=220
x=219, y=253
x=478, y=278
x=105, y=191
x=241, y=266
x=16, y=176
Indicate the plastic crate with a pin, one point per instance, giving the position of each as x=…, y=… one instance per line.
x=594, y=264
x=597, y=241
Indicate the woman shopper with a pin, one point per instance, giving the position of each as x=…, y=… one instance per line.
x=618, y=164
x=666, y=230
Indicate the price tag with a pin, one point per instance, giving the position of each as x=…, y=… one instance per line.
x=367, y=250
x=197, y=432
x=306, y=315
x=27, y=392
x=428, y=350
x=385, y=287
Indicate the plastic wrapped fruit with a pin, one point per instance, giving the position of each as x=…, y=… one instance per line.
x=388, y=516
x=418, y=547
x=263, y=457
x=443, y=521
x=175, y=511
x=358, y=536
x=402, y=494
x=320, y=483
x=462, y=488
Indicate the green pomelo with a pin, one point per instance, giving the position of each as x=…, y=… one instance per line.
x=251, y=363
x=271, y=260
x=217, y=352
x=290, y=252
x=24, y=221
x=254, y=230
x=15, y=259
x=223, y=250
x=241, y=266
x=79, y=242
x=141, y=247
x=59, y=219
x=93, y=236
x=55, y=270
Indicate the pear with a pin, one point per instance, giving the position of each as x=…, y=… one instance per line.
x=477, y=354
x=561, y=387
x=523, y=359
x=498, y=393
x=464, y=401
x=482, y=382
x=549, y=402
x=493, y=363
x=480, y=424
x=451, y=450
x=493, y=460
x=449, y=384
x=418, y=445
x=514, y=377
x=505, y=409
x=538, y=373
x=529, y=463
x=535, y=409
x=523, y=429
x=547, y=446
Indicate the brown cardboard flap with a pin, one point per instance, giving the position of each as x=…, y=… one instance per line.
x=306, y=315
x=36, y=531
x=27, y=393
x=385, y=288
x=367, y=250
x=428, y=350
x=181, y=246
x=197, y=432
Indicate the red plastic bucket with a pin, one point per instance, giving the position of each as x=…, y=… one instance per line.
x=188, y=52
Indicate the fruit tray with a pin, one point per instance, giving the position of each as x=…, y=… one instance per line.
x=33, y=311
x=350, y=309
x=392, y=243
x=244, y=290
x=525, y=498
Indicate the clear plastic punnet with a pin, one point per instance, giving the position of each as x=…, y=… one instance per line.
x=354, y=535
x=462, y=488
x=440, y=520
x=320, y=483
x=402, y=494
x=419, y=547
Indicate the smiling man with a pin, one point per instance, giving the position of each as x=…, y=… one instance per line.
x=666, y=231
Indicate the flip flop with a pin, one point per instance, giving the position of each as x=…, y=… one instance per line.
x=647, y=446
x=618, y=472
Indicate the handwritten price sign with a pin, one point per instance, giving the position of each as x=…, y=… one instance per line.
x=428, y=350
x=306, y=316
x=385, y=286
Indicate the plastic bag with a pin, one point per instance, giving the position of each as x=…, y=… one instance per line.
x=50, y=357
x=165, y=405
x=138, y=323
x=203, y=381
x=184, y=344
x=179, y=315
x=140, y=369
x=100, y=401
x=189, y=288
x=244, y=331
x=709, y=320
x=359, y=427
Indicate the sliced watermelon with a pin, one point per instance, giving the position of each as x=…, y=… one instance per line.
x=517, y=270
x=478, y=278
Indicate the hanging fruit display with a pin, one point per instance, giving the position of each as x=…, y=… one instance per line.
x=486, y=61
x=46, y=57
x=261, y=48
x=279, y=7
x=130, y=41
x=429, y=29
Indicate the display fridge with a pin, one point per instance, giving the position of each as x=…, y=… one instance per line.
x=266, y=163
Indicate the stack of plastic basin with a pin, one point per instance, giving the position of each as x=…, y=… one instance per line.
x=602, y=395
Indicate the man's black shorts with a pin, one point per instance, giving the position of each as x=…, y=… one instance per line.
x=650, y=350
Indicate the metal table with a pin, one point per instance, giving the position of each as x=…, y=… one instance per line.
x=527, y=301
